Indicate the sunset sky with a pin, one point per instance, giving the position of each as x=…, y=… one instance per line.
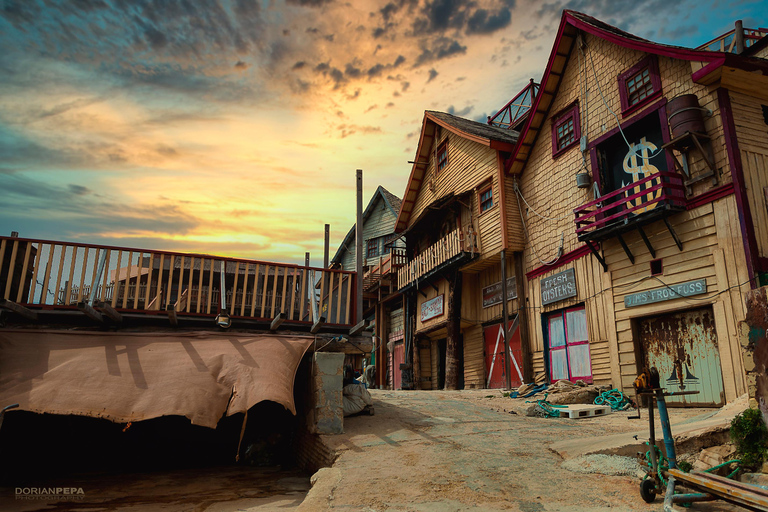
x=235, y=127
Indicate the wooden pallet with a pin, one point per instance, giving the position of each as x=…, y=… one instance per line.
x=584, y=411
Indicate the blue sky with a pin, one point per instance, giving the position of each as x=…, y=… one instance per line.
x=235, y=127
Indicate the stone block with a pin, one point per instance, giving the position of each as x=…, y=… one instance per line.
x=755, y=479
x=328, y=413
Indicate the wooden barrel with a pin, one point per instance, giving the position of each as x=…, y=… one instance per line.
x=685, y=115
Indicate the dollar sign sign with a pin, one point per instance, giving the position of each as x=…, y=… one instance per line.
x=638, y=172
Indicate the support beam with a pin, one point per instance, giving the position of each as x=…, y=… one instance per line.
x=647, y=242
x=597, y=255
x=342, y=344
x=277, y=322
x=317, y=325
x=91, y=313
x=674, y=235
x=357, y=329
x=18, y=309
x=626, y=249
x=107, y=309
x=522, y=315
x=171, y=310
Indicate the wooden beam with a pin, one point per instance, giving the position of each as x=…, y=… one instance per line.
x=18, y=309
x=107, y=309
x=357, y=329
x=171, y=310
x=342, y=344
x=317, y=325
x=88, y=311
x=277, y=321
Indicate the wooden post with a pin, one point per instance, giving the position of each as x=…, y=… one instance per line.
x=505, y=318
x=359, y=248
x=738, y=37
x=326, y=247
x=453, y=329
x=522, y=316
x=416, y=364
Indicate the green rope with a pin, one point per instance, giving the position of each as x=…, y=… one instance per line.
x=547, y=409
x=615, y=398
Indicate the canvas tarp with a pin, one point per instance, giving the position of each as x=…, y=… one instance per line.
x=132, y=377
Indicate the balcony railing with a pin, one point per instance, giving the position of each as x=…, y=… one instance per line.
x=454, y=244
x=727, y=41
x=382, y=267
x=43, y=274
x=621, y=210
x=510, y=114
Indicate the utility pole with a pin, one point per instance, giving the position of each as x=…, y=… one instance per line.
x=359, y=247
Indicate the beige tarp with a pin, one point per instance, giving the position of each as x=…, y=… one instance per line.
x=132, y=377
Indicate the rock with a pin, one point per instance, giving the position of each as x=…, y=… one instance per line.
x=540, y=378
x=710, y=457
x=755, y=479
x=523, y=389
x=765, y=468
x=576, y=396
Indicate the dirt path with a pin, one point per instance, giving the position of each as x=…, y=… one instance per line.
x=444, y=451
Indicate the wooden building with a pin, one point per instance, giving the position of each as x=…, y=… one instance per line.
x=456, y=228
x=640, y=182
x=382, y=304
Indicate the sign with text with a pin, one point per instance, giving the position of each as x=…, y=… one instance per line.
x=432, y=308
x=670, y=292
x=558, y=287
x=492, y=293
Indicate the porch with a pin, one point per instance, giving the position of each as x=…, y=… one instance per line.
x=458, y=245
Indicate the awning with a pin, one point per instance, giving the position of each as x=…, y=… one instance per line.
x=136, y=376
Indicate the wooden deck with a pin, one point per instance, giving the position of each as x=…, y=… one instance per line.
x=384, y=267
x=49, y=275
x=443, y=251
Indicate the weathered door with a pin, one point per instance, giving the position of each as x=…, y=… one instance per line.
x=398, y=357
x=568, y=340
x=494, y=356
x=683, y=347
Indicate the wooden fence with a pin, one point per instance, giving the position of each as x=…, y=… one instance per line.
x=58, y=275
x=435, y=255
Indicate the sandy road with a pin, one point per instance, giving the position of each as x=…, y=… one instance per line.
x=446, y=451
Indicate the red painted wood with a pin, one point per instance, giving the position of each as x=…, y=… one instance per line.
x=709, y=196
x=564, y=259
x=494, y=346
x=398, y=359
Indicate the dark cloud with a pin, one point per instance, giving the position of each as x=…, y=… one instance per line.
x=78, y=190
x=441, y=48
x=405, y=86
x=351, y=129
x=335, y=74
x=463, y=112
x=372, y=107
x=398, y=61
x=486, y=22
x=309, y=3
x=352, y=71
x=241, y=65
x=432, y=74
x=299, y=65
x=439, y=16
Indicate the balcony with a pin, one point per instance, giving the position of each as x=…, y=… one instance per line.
x=383, y=267
x=454, y=247
x=629, y=209
x=43, y=275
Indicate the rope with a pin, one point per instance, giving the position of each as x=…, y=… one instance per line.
x=615, y=398
x=546, y=409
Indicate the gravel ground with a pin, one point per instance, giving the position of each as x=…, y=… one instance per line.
x=614, y=465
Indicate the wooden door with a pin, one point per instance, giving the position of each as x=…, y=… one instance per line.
x=398, y=358
x=494, y=356
x=568, y=338
x=683, y=347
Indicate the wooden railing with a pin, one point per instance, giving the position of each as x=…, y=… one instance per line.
x=59, y=275
x=517, y=107
x=727, y=42
x=453, y=244
x=652, y=193
x=383, y=267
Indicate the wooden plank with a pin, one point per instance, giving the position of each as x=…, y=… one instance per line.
x=245, y=289
x=200, y=285
x=285, y=283
x=116, y=285
x=169, y=286
x=11, y=264
x=180, y=286
x=147, y=301
x=59, y=273
x=94, y=284
x=293, y=292
x=210, y=286
x=338, y=297
x=322, y=295
x=2, y=252
x=303, y=296
x=277, y=321
x=23, y=272
x=105, y=275
x=724, y=348
x=88, y=311
x=106, y=309
x=264, y=292
x=17, y=308
x=127, y=277
x=189, y=283
x=255, y=289
x=234, y=289
x=138, y=280
x=46, y=277
x=347, y=311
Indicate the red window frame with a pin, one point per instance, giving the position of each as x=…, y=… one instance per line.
x=650, y=64
x=563, y=314
x=372, y=248
x=480, y=201
x=570, y=115
x=442, y=156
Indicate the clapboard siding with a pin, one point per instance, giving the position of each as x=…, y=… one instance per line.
x=379, y=223
x=474, y=358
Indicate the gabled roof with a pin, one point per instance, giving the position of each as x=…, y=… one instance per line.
x=392, y=202
x=489, y=136
x=570, y=23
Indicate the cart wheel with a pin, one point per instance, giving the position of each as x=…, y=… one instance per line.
x=648, y=490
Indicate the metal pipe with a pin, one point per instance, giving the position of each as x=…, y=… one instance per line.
x=669, y=496
x=669, y=441
x=652, y=428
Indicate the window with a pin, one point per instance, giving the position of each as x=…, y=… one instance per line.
x=568, y=342
x=565, y=129
x=639, y=84
x=486, y=198
x=372, y=248
x=442, y=155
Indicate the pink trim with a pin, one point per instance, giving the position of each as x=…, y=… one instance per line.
x=564, y=260
x=710, y=196
x=652, y=63
x=570, y=112
x=706, y=70
x=737, y=173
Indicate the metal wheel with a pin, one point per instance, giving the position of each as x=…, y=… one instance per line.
x=648, y=490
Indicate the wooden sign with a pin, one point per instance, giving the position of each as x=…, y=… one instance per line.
x=432, y=308
x=558, y=287
x=492, y=294
x=671, y=292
